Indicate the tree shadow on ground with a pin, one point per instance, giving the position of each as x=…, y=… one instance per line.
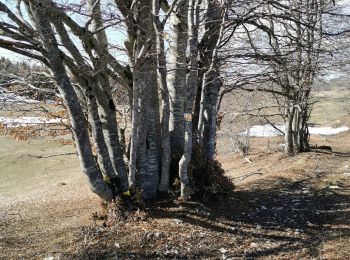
x=274, y=217
x=283, y=212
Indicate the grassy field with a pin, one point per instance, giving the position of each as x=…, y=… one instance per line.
x=332, y=107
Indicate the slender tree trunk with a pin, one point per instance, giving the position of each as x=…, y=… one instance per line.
x=207, y=106
x=102, y=89
x=103, y=158
x=70, y=98
x=162, y=83
x=108, y=117
x=191, y=82
x=289, y=147
x=136, y=117
x=211, y=34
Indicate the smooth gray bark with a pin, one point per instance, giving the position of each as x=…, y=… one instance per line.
x=75, y=111
x=176, y=77
x=146, y=135
x=210, y=115
x=206, y=128
x=288, y=135
x=191, y=86
x=162, y=83
x=102, y=88
x=103, y=158
x=94, y=81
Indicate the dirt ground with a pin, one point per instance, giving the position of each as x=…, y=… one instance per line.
x=282, y=208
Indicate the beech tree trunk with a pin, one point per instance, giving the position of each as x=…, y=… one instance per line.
x=191, y=86
x=79, y=128
x=145, y=153
x=210, y=115
x=288, y=135
x=162, y=83
x=176, y=75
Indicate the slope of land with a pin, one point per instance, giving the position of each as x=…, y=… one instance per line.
x=282, y=207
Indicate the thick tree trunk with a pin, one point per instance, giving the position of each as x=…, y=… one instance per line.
x=145, y=150
x=154, y=142
x=206, y=129
x=177, y=75
x=210, y=114
x=297, y=130
x=70, y=98
x=300, y=128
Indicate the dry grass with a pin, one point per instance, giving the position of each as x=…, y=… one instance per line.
x=282, y=207
x=284, y=210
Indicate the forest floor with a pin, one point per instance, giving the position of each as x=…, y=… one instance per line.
x=282, y=208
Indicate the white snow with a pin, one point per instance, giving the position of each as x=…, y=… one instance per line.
x=327, y=130
x=28, y=121
x=7, y=97
x=268, y=130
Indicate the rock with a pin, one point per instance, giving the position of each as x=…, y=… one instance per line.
x=201, y=234
x=346, y=174
x=253, y=245
x=117, y=245
x=159, y=234
x=178, y=221
x=298, y=231
x=222, y=250
x=334, y=187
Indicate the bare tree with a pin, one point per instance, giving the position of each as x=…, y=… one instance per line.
x=81, y=57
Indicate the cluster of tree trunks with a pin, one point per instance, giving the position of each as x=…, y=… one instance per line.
x=167, y=93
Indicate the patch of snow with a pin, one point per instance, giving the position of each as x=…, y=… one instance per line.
x=269, y=131
x=263, y=131
x=28, y=121
x=7, y=97
x=327, y=130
